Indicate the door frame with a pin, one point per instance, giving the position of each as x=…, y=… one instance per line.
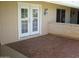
x=36, y=32
x=19, y=19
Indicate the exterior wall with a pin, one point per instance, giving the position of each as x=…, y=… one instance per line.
x=52, y=26
x=69, y=30
x=0, y=26
x=49, y=20
x=63, y=29
x=9, y=21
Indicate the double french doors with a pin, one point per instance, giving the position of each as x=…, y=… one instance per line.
x=29, y=19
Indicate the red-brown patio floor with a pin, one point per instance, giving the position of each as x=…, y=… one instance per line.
x=47, y=46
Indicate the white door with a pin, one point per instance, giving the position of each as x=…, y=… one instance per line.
x=35, y=20
x=28, y=19
x=24, y=20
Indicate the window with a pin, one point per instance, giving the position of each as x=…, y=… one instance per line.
x=60, y=16
x=24, y=13
x=78, y=18
x=24, y=26
x=74, y=16
x=35, y=20
x=35, y=25
x=24, y=20
x=35, y=12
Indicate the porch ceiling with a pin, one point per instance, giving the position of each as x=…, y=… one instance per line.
x=73, y=4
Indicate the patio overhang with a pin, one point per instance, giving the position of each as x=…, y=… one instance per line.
x=73, y=4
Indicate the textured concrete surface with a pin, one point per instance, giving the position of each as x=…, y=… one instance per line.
x=48, y=46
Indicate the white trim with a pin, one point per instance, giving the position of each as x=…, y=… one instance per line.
x=19, y=21
x=22, y=5
x=29, y=5
x=38, y=18
x=41, y=15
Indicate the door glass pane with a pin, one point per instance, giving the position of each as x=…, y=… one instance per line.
x=24, y=13
x=24, y=26
x=35, y=20
x=35, y=12
x=35, y=25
